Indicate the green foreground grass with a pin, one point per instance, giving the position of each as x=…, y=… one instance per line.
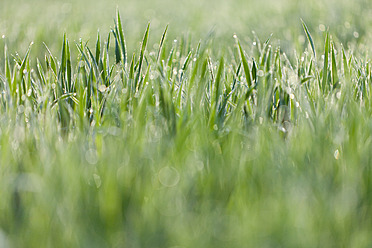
x=183, y=145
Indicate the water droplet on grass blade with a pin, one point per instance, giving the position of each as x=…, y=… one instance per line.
x=338, y=95
x=260, y=119
x=97, y=180
x=169, y=176
x=102, y=88
x=91, y=156
x=336, y=154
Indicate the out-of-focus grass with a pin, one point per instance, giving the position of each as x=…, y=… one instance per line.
x=45, y=21
x=230, y=143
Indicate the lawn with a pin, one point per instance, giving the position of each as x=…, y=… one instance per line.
x=185, y=124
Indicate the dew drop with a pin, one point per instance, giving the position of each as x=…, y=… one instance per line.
x=338, y=95
x=336, y=154
x=91, y=156
x=169, y=176
x=97, y=180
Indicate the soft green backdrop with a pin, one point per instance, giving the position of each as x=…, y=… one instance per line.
x=45, y=21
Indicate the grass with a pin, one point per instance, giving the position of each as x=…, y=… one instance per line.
x=177, y=143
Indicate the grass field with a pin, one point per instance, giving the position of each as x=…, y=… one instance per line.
x=176, y=126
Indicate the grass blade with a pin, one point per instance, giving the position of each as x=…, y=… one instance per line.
x=335, y=81
x=142, y=55
x=310, y=39
x=98, y=47
x=245, y=65
x=325, y=67
x=161, y=43
x=120, y=33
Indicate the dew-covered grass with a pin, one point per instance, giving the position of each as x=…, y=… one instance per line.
x=170, y=137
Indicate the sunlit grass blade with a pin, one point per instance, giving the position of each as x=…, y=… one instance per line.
x=25, y=59
x=184, y=66
x=325, y=66
x=98, y=47
x=121, y=39
x=8, y=73
x=335, y=80
x=245, y=65
x=141, y=57
x=68, y=67
x=41, y=72
x=219, y=78
x=310, y=39
x=53, y=63
x=161, y=43
x=346, y=66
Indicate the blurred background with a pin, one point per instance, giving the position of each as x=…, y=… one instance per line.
x=23, y=21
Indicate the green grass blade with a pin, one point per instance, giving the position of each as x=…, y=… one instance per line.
x=25, y=59
x=254, y=72
x=325, y=67
x=184, y=66
x=161, y=43
x=142, y=54
x=219, y=77
x=308, y=35
x=121, y=40
x=41, y=72
x=245, y=65
x=98, y=47
x=346, y=66
x=335, y=80
x=117, y=49
x=62, y=68
x=131, y=67
x=8, y=73
x=53, y=63
x=68, y=67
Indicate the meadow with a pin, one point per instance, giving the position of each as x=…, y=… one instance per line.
x=185, y=124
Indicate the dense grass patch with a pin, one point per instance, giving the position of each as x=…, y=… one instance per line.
x=184, y=144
